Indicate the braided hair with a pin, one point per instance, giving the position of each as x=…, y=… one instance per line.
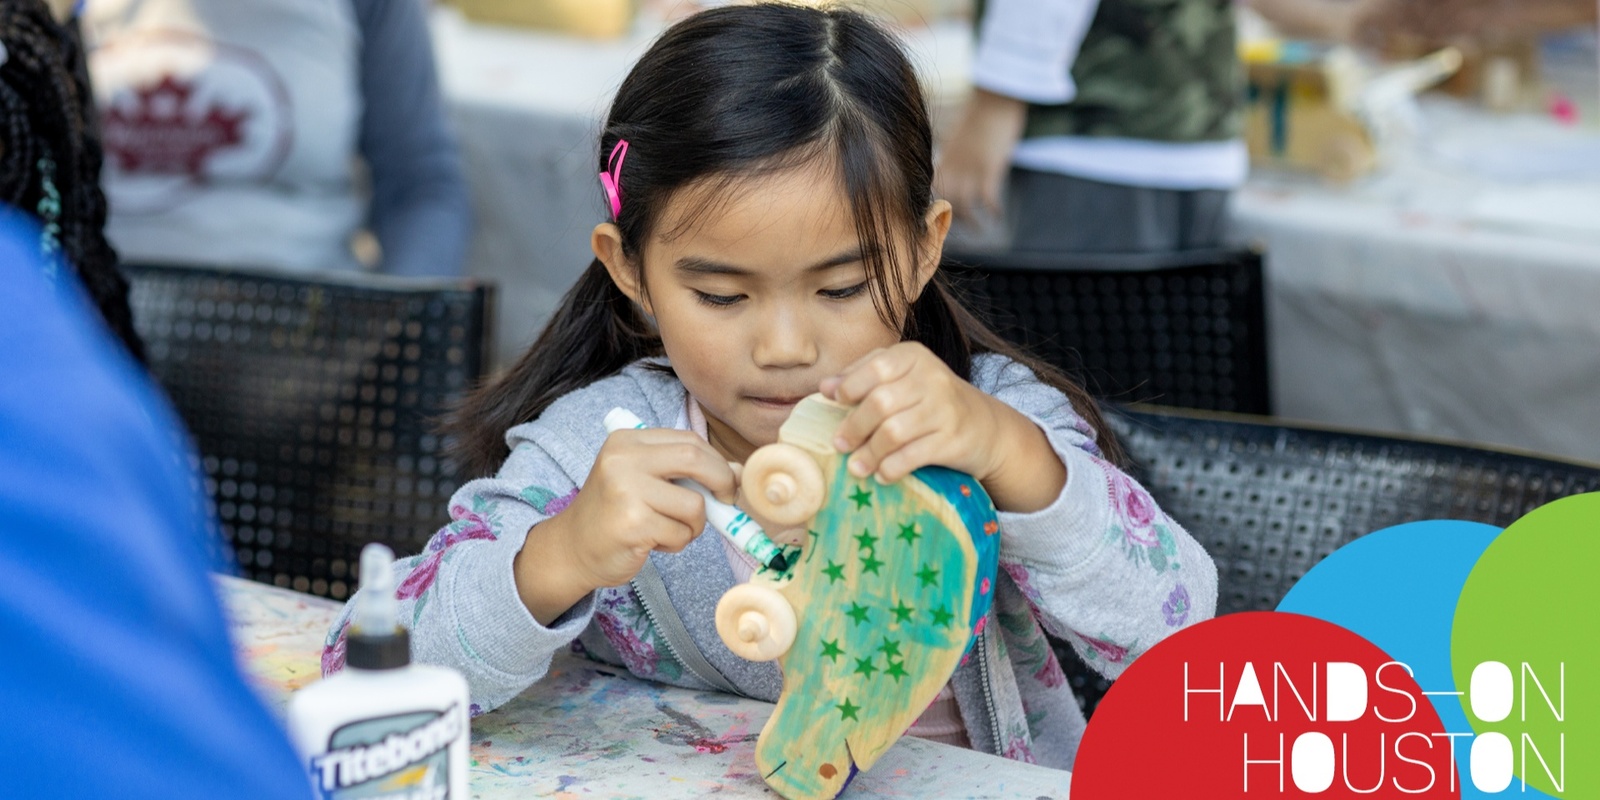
x=50, y=153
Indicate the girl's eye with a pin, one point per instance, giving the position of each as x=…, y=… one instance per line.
x=717, y=300
x=845, y=293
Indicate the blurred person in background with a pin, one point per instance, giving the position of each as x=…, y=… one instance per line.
x=1116, y=121
x=233, y=130
x=50, y=153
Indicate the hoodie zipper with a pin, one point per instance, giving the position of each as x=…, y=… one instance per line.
x=661, y=637
x=650, y=615
x=988, y=692
x=666, y=642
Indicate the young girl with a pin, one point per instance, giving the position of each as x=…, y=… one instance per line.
x=773, y=234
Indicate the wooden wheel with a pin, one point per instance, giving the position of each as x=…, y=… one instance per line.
x=756, y=622
x=783, y=485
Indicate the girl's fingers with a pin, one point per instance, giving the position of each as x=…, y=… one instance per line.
x=865, y=420
x=709, y=470
x=851, y=367
x=830, y=385
x=873, y=370
x=868, y=356
x=910, y=457
x=675, y=539
x=669, y=454
x=680, y=516
x=888, y=437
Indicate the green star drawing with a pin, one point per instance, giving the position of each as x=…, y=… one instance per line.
x=942, y=616
x=928, y=575
x=909, y=533
x=835, y=572
x=847, y=711
x=866, y=541
x=864, y=666
x=831, y=650
x=862, y=497
x=889, y=648
x=858, y=613
x=896, y=670
x=902, y=612
x=870, y=564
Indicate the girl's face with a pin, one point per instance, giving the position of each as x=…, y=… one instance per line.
x=763, y=296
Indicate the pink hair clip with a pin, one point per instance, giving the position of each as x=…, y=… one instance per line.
x=611, y=179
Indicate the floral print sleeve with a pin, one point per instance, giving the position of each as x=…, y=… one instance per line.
x=1103, y=567
x=459, y=597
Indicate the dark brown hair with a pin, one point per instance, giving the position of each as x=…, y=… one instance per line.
x=50, y=154
x=726, y=94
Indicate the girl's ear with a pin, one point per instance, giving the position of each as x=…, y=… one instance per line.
x=606, y=241
x=937, y=225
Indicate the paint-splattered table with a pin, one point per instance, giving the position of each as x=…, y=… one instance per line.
x=587, y=731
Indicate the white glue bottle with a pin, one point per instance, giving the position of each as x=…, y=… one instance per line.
x=383, y=727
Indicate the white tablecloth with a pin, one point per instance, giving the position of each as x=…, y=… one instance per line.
x=528, y=106
x=1455, y=294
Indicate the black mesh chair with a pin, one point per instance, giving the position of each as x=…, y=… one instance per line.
x=1268, y=501
x=312, y=400
x=1180, y=329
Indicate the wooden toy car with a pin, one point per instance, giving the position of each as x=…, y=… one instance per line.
x=890, y=591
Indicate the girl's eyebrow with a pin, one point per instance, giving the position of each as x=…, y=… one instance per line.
x=694, y=265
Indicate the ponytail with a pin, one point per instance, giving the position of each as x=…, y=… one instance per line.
x=595, y=333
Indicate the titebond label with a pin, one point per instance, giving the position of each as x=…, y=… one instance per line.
x=400, y=757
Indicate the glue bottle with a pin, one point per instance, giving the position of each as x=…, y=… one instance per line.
x=382, y=727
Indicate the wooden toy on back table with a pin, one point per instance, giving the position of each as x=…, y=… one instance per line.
x=888, y=596
x=1324, y=110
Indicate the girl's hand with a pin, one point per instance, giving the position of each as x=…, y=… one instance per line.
x=912, y=411
x=627, y=507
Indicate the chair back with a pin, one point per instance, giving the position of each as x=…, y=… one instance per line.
x=1268, y=501
x=312, y=399
x=1180, y=329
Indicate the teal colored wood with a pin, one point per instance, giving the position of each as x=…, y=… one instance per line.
x=891, y=589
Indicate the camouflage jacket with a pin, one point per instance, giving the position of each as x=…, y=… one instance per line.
x=1159, y=70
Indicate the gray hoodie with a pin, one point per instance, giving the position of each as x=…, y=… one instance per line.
x=1102, y=567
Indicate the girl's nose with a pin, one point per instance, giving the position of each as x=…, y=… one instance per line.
x=785, y=341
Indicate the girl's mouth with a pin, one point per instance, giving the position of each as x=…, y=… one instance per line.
x=776, y=402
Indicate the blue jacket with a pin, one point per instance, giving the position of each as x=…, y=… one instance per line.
x=118, y=679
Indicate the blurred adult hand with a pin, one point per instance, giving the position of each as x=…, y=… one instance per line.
x=973, y=162
x=62, y=9
x=1445, y=20
x=1323, y=20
